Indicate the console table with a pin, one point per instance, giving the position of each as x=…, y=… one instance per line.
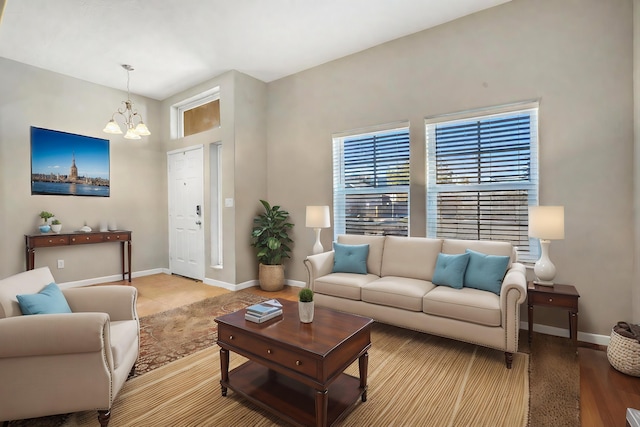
x=48, y=240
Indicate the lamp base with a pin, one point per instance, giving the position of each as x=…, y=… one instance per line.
x=317, y=247
x=543, y=282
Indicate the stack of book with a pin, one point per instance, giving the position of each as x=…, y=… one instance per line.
x=262, y=312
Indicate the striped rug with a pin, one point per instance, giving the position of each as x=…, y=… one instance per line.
x=414, y=380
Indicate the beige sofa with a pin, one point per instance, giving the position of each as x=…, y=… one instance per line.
x=397, y=290
x=68, y=362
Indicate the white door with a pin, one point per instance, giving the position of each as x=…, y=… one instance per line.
x=186, y=215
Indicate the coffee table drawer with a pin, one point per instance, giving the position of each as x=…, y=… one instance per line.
x=270, y=352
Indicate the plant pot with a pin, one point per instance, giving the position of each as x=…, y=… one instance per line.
x=44, y=228
x=271, y=277
x=305, y=310
x=56, y=228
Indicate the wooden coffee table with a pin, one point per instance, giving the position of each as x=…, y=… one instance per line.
x=296, y=370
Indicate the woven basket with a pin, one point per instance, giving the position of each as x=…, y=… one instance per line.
x=624, y=354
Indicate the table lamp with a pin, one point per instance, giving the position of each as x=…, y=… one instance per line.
x=318, y=218
x=546, y=223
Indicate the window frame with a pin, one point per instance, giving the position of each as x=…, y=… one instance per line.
x=340, y=192
x=531, y=185
x=178, y=109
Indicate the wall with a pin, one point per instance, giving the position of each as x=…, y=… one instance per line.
x=574, y=56
x=31, y=96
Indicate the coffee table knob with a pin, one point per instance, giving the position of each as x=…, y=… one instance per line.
x=230, y=337
x=298, y=363
x=269, y=350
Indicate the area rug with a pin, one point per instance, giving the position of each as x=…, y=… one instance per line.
x=414, y=380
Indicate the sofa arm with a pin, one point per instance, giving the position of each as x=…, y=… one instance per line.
x=513, y=293
x=514, y=281
x=318, y=265
x=116, y=300
x=49, y=334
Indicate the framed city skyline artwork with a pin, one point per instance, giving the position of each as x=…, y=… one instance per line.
x=66, y=164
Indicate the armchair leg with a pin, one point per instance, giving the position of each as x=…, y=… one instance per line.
x=132, y=372
x=103, y=417
x=508, y=358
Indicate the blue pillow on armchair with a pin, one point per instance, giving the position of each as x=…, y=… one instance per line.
x=49, y=300
x=350, y=258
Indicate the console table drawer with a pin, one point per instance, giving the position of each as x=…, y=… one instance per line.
x=89, y=238
x=119, y=237
x=38, y=242
x=271, y=352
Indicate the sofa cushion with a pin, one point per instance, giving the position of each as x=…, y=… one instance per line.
x=466, y=304
x=450, y=270
x=49, y=300
x=343, y=285
x=123, y=335
x=376, y=246
x=485, y=272
x=350, y=258
x=399, y=292
x=413, y=257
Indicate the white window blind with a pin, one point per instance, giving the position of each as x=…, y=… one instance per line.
x=371, y=183
x=482, y=175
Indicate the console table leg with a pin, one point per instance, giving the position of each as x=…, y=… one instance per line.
x=224, y=370
x=129, y=259
x=322, y=404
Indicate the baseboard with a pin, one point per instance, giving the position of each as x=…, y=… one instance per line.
x=560, y=332
x=109, y=279
x=247, y=284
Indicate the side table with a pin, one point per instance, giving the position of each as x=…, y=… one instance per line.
x=557, y=296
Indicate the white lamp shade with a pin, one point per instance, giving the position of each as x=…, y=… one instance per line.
x=131, y=134
x=112, y=127
x=142, y=129
x=546, y=222
x=318, y=217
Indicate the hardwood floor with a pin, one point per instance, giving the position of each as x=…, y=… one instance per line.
x=605, y=394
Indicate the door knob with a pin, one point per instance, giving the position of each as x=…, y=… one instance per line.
x=198, y=222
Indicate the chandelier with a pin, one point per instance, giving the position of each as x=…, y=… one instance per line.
x=134, y=131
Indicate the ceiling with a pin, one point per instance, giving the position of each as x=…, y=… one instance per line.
x=174, y=45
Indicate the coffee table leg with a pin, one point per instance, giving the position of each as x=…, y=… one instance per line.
x=363, y=364
x=224, y=369
x=322, y=404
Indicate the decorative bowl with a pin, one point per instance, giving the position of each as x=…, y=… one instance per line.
x=45, y=228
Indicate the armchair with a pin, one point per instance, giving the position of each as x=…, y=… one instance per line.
x=61, y=363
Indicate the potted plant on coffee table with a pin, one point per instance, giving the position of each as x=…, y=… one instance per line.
x=305, y=305
x=270, y=236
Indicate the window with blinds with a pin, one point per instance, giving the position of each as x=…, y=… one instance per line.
x=371, y=183
x=482, y=175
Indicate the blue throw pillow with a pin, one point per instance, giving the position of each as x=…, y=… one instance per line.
x=450, y=270
x=350, y=258
x=50, y=300
x=485, y=272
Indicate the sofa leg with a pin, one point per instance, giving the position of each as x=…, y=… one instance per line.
x=508, y=358
x=103, y=417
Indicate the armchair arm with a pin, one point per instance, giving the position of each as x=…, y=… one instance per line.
x=49, y=334
x=116, y=300
x=318, y=265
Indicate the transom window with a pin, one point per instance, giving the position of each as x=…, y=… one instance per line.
x=482, y=175
x=371, y=182
x=196, y=114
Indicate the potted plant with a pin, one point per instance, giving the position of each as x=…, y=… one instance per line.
x=270, y=236
x=56, y=226
x=44, y=228
x=305, y=305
